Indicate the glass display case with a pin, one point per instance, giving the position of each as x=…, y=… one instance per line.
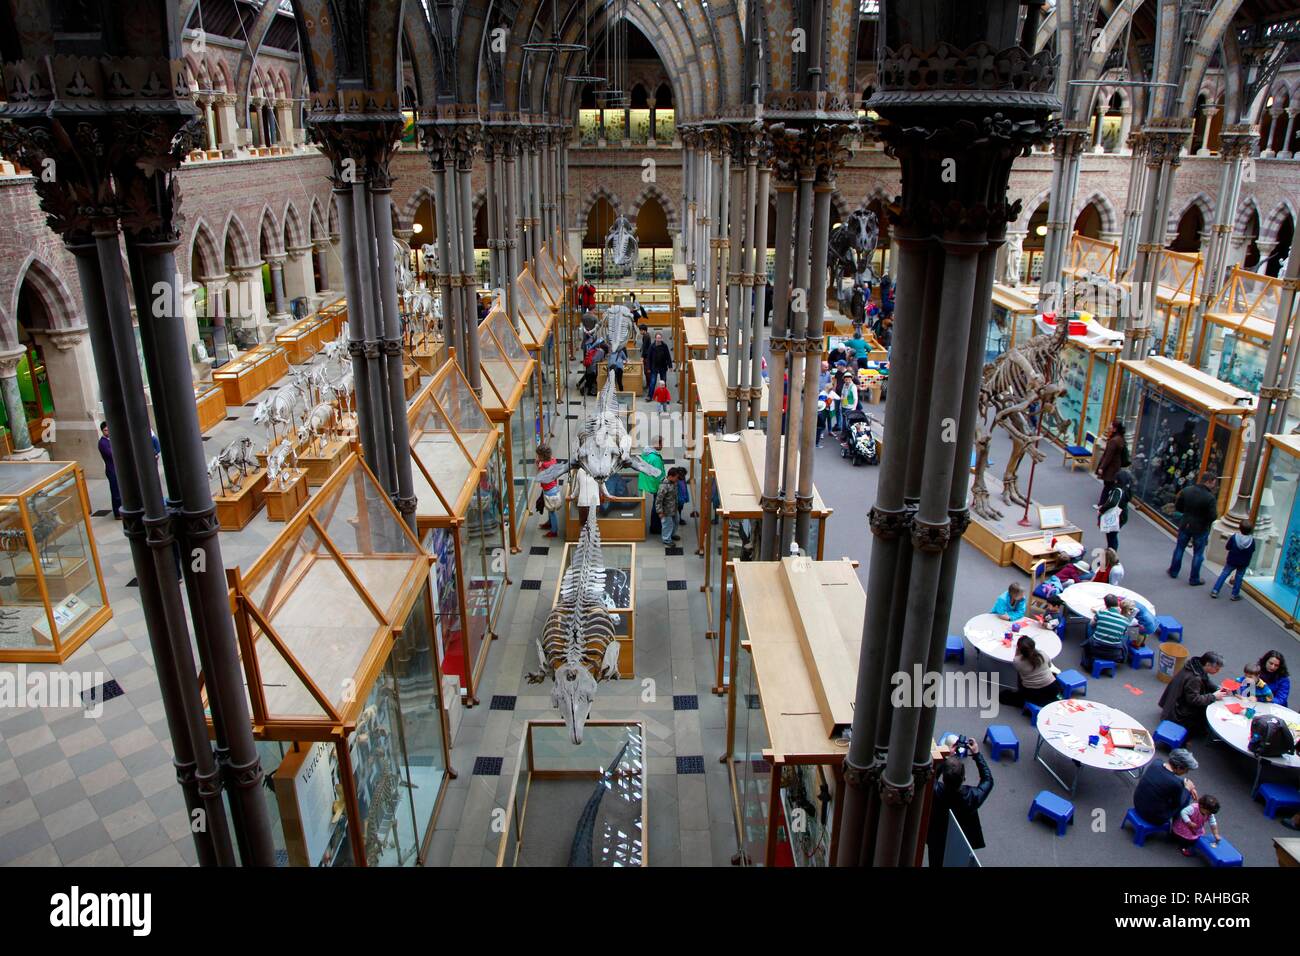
x=537, y=333
x=706, y=411
x=337, y=641
x=1182, y=426
x=52, y=595
x=1237, y=330
x=1011, y=319
x=732, y=467
x=555, y=779
x=1178, y=277
x=1090, y=256
x=1274, y=576
x=510, y=400
x=793, y=678
x=1084, y=368
x=460, y=518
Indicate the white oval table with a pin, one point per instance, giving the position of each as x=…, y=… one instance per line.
x=984, y=633
x=1066, y=725
x=1234, y=730
x=1089, y=597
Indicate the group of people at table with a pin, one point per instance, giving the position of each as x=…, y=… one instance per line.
x=1165, y=794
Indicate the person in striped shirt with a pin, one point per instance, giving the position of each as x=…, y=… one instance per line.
x=1107, y=634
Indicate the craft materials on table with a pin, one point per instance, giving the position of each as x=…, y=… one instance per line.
x=1094, y=735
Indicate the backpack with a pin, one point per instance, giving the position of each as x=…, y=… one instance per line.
x=1270, y=737
x=1125, y=459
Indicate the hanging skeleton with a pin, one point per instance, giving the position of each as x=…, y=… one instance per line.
x=1016, y=388
x=621, y=246
x=577, y=646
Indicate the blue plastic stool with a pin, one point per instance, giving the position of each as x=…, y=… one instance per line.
x=1072, y=681
x=955, y=649
x=1168, y=628
x=1170, y=734
x=1031, y=711
x=1139, y=657
x=1277, y=797
x=1225, y=854
x=1057, y=809
x=1100, y=667
x=1000, y=737
x=1141, y=829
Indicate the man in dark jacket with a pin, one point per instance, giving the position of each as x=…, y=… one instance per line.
x=1112, y=458
x=951, y=792
x=1192, y=691
x=1164, y=788
x=1199, y=507
x=656, y=364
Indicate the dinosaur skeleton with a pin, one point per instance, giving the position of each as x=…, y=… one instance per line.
x=1015, y=387
x=577, y=647
x=852, y=244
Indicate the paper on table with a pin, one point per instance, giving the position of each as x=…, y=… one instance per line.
x=1233, y=708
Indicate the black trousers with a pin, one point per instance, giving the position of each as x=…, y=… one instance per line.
x=618, y=378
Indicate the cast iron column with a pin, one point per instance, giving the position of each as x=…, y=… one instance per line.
x=980, y=116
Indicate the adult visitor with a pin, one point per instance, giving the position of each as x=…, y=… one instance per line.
x=859, y=346
x=657, y=364
x=1165, y=788
x=110, y=470
x=1241, y=551
x=1035, y=680
x=1011, y=603
x=1113, y=457
x=1273, y=672
x=953, y=793
x=1192, y=691
x=618, y=359
x=1112, y=510
x=1199, y=507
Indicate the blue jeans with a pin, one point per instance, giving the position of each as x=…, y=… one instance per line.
x=553, y=517
x=669, y=523
x=1198, y=543
x=651, y=378
x=1238, y=575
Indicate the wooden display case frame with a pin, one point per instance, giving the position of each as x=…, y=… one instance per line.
x=337, y=721
x=210, y=401
x=1246, y=307
x=57, y=646
x=706, y=411
x=252, y=373
x=1091, y=255
x=516, y=815
x=1178, y=281
x=454, y=504
x=501, y=401
x=736, y=468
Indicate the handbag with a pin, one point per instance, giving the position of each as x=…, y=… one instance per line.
x=1109, y=521
x=551, y=500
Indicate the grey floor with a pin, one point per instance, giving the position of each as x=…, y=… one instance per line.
x=102, y=792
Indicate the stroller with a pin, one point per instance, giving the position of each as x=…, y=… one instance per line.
x=858, y=442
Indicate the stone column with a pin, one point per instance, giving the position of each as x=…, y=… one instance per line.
x=323, y=252
x=19, y=432
x=510, y=222
x=1209, y=113
x=249, y=307
x=279, y=303
x=1133, y=202
x=284, y=120
x=1266, y=141
x=651, y=104
x=209, y=123
x=1125, y=127
x=229, y=126
x=71, y=368
x=1286, y=152
x=299, y=281
x=1060, y=216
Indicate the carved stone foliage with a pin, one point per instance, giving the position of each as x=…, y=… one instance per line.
x=359, y=151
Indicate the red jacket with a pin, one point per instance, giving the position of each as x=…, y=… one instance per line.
x=587, y=296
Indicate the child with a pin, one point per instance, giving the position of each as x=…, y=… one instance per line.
x=667, y=508
x=1010, y=605
x=551, y=493
x=1190, y=824
x=1054, y=616
x=1251, y=686
x=1241, y=550
x=662, y=396
x=683, y=495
